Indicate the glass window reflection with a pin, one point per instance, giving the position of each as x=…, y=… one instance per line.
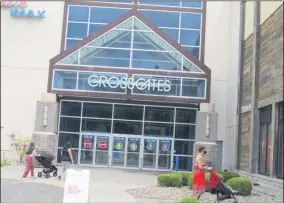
x=159, y=114
x=128, y=112
x=158, y=129
x=78, y=13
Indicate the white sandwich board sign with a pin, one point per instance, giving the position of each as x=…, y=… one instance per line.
x=76, y=187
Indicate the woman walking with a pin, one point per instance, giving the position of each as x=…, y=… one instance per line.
x=66, y=159
x=29, y=161
x=199, y=185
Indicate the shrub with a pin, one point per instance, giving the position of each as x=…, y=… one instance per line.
x=170, y=180
x=207, y=176
x=228, y=175
x=242, y=185
x=4, y=163
x=184, y=177
x=190, y=199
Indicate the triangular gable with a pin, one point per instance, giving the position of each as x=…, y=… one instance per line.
x=112, y=46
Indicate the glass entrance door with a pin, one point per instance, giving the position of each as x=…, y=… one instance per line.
x=102, y=150
x=157, y=153
x=118, y=151
x=87, y=149
x=133, y=152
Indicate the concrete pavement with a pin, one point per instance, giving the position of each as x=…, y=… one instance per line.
x=106, y=185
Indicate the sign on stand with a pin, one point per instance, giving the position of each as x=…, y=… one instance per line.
x=76, y=187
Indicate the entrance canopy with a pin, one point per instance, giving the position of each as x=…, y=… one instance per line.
x=133, y=46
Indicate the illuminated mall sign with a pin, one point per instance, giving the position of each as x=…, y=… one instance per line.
x=18, y=9
x=129, y=83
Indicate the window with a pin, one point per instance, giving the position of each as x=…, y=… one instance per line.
x=71, y=42
x=69, y=124
x=78, y=13
x=191, y=20
x=105, y=15
x=190, y=37
x=97, y=110
x=128, y=112
x=70, y=108
x=186, y=116
x=127, y=127
x=158, y=129
x=162, y=19
x=159, y=114
x=64, y=80
x=68, y=137
x=265, y=142
x=279, y=142
x=96, y=125
x=77, y=30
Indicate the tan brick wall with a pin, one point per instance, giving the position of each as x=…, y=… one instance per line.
x=271, y=56
x=245, y=142
x=247, y=74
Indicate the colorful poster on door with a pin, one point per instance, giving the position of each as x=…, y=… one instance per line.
x=133, y=144
x=165, y=146
x=102, y=142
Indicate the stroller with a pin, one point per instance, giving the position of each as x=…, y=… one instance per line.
x=48, y=168
x=222, y=191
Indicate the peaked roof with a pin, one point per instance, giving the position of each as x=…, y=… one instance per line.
x=132, y=13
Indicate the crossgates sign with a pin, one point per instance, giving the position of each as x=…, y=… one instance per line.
x=129, y=83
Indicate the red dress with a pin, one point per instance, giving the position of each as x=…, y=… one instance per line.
x=199, y=185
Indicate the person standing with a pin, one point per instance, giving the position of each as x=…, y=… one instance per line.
x=66, y=159
x=29, y=161
x=199, y=185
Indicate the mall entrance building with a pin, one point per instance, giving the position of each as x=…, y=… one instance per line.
x=127, y=93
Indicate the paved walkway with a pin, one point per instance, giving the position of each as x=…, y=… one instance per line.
x=106, y=185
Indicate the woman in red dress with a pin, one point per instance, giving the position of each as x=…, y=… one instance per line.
x=199, y=185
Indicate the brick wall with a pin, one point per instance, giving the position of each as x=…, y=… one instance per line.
x=245, y=143
x=271, y=56
x=247, y=78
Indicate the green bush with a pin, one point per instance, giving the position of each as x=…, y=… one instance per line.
x=207, y=176
x=228, y=175
x=190, y=199
x=170, y=180
x=184, y=177
x=4, y=163
x=242, y=185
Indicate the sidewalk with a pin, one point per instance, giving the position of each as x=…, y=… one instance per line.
x=106, y=185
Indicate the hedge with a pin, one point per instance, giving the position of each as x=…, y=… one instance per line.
x=170, y=180
x=228, y=175
x=242, y=185
x=184, y=177
x=207, y=176
x=190, y=199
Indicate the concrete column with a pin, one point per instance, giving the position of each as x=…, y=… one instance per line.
x=254, y=95
x=46, y=123
x=206, y=135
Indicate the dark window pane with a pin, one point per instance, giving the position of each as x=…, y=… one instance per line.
x=190, y=37
x=193, y=88
x=192, y=4
x=183, y=147
x=280, y=151
x=193, y=50
x=263, y=149
x=69, y=124
x=78, y=13
x=127, y=127
x=68, y=137
x=185, y=163
x=190, y=20
x=161, y=3
x=77, y=30
x=159, y=114
x=173, y=33
x=186, y=115
x=94, y=27
x=97, y=110
x=65, y=80
x=185, y=131
x=162, y=19
x=105, y=15
x=128, y=112
x=158, y=129
x=96, y=125
x=71, y=43
x=69, y=108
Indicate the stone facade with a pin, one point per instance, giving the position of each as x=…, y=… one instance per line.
x=247, y=74
x=269, y=90
x=271, y=56
x=245, y=143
